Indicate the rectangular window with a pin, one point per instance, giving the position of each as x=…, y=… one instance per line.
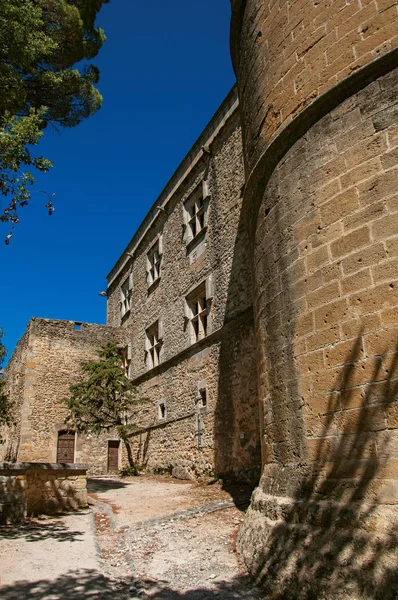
x=126, y=291
x=153, y=343
x=125, y=354
x=154, y=262
x=162, y=410
x=195, y=214
x=197, y=314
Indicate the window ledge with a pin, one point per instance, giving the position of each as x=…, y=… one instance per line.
x=152, y=286
x=198, y=238
x=124, y=318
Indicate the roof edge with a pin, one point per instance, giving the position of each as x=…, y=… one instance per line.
x=225, y=110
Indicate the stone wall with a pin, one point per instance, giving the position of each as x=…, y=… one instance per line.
x=28, y=489
x=228, y=443
x=321, y=175
x=223, y=362
x=46, y=362
x=15, y=386
x=287, y=54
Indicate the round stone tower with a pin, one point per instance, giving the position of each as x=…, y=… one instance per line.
x=318, y=87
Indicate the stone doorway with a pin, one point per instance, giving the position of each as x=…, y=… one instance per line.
x=66, y=447
x=113, y=455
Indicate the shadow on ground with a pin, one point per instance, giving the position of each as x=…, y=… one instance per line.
x=80, y=585
x=240, y=493
x=95, y=485
x=38, y=531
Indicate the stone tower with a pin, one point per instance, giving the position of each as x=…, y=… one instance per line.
x=318, y=87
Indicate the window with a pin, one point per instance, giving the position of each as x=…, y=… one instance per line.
x=198, y=317
x=125, y=296
x=154, y=262
x=195, y=213
x=153, y=343
x=78, y=326
x=197, y=309
x=125, y=354
x=201, y=397
x=162, y=410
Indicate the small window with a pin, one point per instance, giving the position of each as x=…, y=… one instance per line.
x=125, y=296
x=195, y=215
x=153, y=343
x=162, y=410
x=154, y=263
x=125, y=354
x=78, y=326
x=203, y=397
x=197, y=308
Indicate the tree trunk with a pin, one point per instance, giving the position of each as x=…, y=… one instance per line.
x=132, y=465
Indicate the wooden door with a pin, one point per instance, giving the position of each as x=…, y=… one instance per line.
x=113, y=455
x=66, y=447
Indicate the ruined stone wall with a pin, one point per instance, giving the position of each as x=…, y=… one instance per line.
x=15, y=373
x=321, y=172
x=31, y=489
x=222, y=361
x=49, y=360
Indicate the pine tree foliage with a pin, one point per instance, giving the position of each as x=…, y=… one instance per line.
x=41, y=42
x=105, y=399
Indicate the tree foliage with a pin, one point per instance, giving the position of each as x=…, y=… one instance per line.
x=105, y=399
x=41, y=42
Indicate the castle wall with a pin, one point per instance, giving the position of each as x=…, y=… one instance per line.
x=15, y=375
x=318, y=93
x=222, y=363
x=287, y=54
x=47, y=361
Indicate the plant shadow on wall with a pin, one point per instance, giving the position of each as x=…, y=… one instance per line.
x=50, y=495
x=326, y=545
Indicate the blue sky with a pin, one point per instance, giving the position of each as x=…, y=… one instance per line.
x=165, y=68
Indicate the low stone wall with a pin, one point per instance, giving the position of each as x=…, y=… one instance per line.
x=40, y=488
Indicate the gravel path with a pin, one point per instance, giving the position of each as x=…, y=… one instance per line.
x=178, y=539
x=143, y=537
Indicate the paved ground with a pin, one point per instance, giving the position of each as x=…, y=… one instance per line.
x=144, y=537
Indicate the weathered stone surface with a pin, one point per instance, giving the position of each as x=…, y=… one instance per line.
x=208, y=387
x=45, y=363
x=318, y=90
x=40, y=488
x=223, y=362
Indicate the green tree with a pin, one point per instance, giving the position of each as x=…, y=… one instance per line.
x=41, y=42
x=105, y=399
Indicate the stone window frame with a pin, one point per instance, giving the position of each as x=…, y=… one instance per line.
x=154, y=259
x=162, y=409
x=126, y=356
x=153, y=344
x=126, y=292
x=195, y=212
x=197, y=308
x=201, y=400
